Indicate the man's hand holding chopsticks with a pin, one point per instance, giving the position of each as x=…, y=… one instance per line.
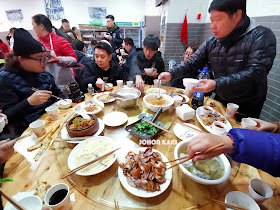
x=39, y=97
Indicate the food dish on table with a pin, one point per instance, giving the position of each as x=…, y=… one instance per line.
x=155, y=90
x=89, y=150
x=80, y=123
x=180, y=91
x=153, y=104
x=143, y=172
x=104, y=97
x=89, y=107
x=207, y=120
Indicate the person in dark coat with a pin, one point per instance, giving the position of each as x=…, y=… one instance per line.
x=113, y=35
x=24, y=69
x=104, y=69
x=65, y=31
x=240, y=54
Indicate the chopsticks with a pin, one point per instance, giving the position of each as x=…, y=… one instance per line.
x=190, y=127
x=11, y=200
x=116, y=204
x=24, y=136
x=167, y=131
x=89, y=163
x=225, y=204
x=73, y=139
x=184, y=159
x=34, y=89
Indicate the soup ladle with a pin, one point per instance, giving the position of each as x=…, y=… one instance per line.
x=159, y=97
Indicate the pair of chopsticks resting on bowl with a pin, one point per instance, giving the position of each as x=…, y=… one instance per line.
x=184, y=159
x=34, y=89
x=11, y=200
x=89, y=163
x=225, y=204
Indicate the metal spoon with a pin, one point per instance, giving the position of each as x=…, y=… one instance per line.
x=159, y=97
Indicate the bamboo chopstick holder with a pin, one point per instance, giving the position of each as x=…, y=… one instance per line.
x=225, y=204
x=211, y=149
x=34, y=89
x=167, y=131
x=11, y=200
x=89, y=163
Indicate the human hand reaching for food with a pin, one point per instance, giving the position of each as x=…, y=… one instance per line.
x=6, y=150
x=265, y=126
x=164, y=77
x=39, y=97
x=204, y=141
x=100, y=84
x=139, y=83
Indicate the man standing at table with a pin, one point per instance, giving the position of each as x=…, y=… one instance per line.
x=240, y=54
x=113, y=35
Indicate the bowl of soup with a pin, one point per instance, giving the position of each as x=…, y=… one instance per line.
x=209, y=172
x=153, y=103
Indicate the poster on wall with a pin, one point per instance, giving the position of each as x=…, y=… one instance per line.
x=54, y=9
x=97, y=13
x=14, y=15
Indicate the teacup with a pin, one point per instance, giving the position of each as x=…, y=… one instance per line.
x=219, y=127
x=231, y=109
x=259, y=190
x=177, y=101
x=148, y=70
x=248, y=123
x=129, y=84
x=38, y=127
x=53, y=112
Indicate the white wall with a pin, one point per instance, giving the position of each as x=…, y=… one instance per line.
x=178, y=8
x=76, y=11
x=258, y=8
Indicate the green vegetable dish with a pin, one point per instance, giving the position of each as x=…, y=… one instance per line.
x=145, y=128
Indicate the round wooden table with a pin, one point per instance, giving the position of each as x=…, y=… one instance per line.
x=99, y=191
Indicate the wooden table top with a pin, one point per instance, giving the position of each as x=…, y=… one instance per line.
x=99, y=191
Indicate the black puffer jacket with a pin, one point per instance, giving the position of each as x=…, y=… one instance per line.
x=240, y=64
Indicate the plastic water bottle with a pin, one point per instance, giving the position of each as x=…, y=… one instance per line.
x=90, y=89
x=198, y=97
x=90, y=50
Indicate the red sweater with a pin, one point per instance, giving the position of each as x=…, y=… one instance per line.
x=4, y=48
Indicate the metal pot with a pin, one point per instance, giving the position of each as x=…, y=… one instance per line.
x=127, y=103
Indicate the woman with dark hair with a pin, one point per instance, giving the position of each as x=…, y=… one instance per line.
x=24, y=69
x=62, y=54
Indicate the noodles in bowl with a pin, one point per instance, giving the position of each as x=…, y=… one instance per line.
x=153, y=103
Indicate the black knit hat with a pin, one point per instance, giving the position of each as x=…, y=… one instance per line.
x=25, y=44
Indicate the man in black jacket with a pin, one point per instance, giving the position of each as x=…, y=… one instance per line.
x=240, y=55
x=65, y=31
x=128, y=45
x=104, y=69
x=114, y=35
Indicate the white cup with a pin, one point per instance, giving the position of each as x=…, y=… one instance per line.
x=64, y=204
x=156, y=83
x=241, y=199
x=121, y=51
x=148, y=70
x=129, y=84
x=53, y=112
x=2, y=123
x=38, y=127
x=177, y=101
x=259, y=190
x=248, y=123
x=189, y=83
x=30, y=202
x=120, y=83
x=231, y=109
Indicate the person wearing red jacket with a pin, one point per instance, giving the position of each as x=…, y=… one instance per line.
x=61, y=52
x=3, y=49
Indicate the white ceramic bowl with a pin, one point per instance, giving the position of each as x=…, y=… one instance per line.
x=155, y=90
x=189, y=83
x=64, y=104
x=197, y=179
x=219, y=127
x=242, y=200
x=148, y=70
x=30, y=202
x=108, y=86
x=206, y=110
x=154, y=108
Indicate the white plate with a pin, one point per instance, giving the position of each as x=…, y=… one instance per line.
x=65, y=135
x=184, y=133
x=141, y=192
x=79, y=108
x=115, y=119
x=99, y=94
x=73, y=153
x=209, y=128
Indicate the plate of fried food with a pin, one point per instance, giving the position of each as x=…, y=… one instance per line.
x=142, y=172
x=89, y=150
x=104, y=97
x=89, y=107
x=213, y=121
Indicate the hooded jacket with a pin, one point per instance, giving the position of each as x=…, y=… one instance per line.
x=240, y=63
x=117, y=40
